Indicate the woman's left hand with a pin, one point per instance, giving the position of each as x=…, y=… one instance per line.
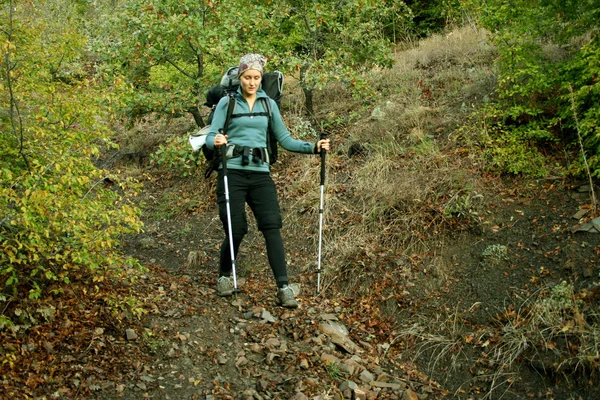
x=323, y=144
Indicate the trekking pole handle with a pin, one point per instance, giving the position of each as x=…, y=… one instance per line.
x=322, y=154
x=223, y=150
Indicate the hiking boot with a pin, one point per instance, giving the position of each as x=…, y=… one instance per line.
x=285, y=297
x=224, y=286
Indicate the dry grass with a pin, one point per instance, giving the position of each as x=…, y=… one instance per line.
x=409, y=187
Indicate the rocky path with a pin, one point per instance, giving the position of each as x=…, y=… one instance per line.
x=200, y=346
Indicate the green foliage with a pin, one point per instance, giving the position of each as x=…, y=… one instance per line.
x=543, y=49
x=175, y=156
x=172, y=50
x=432, y=16
x=329, y=42
x=58, y=223
x=584, y=73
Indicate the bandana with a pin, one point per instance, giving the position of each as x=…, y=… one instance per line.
x=251, y=61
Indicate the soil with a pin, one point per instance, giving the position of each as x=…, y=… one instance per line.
x=196, y=345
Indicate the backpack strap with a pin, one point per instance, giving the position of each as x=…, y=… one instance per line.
x=267, y=106
x=231, y=102
x=214, y=164
x=268, y=113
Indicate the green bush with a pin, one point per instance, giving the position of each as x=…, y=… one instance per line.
x=544, y=49
x=61, y=221
x=177, y=157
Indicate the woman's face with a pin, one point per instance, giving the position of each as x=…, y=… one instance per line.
x=250, y=81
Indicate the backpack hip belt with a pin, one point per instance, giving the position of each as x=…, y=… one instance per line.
x=259, y=154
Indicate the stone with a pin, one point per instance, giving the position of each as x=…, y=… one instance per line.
x=299, y=396
x=240, y=362
x=348, y=385
x=328, y=317
x=262, y=385
x=271, y=357
x=267, y=316
x=386, y=385
x=409, y=395
x=338, y=334
x=359, y=394
x=329, y=358
x=366, y=376
x=581, y=213
x=130, y=334
x=351, y=367
x=273, y=343
x=304, y=363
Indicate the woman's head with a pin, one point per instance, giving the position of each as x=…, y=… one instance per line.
x=250, y=72
x=250, y=62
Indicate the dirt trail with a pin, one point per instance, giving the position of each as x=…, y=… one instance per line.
x=200, y=346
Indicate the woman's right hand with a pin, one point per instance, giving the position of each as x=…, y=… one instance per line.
x=220, y=140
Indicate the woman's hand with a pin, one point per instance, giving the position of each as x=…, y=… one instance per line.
x=220, y=140
x=323, y=144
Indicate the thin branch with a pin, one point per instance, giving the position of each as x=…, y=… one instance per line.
x=178, y=68
x=15, y=114
x=99, y=181
x=587, y=167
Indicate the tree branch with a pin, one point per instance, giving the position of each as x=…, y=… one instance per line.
x=178, y=68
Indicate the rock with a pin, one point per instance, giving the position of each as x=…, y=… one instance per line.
x=366, y=376
x=351, y=367
x=338, y=334
x=266, y=316
x=147, y=243
x=348, y=385
x=409, y=395
x=48, y=346
x=304, y=363
x=273, y=343
x=262, y=385
x=130, y=334
x=256, y=348
x=237, y=302
x=359, y=394
x=388, y=385
x=585, y=188
x=581, y=213
x=329, y=317
x=222, y=360
x=312, y=382
x=329, y=358
x=240, y=362
x=299, y=396
x=270, y=358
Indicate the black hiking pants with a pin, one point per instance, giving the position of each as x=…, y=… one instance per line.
x=258, y=191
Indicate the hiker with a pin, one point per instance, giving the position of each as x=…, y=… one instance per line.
x=248, y=175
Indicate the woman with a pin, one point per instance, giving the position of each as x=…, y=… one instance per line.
x=249, y=177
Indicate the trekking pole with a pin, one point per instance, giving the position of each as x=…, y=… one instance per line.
x=229, y=229
x=323, y=152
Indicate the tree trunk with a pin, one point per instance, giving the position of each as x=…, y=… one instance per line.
x=308, y=93
x=197, y=117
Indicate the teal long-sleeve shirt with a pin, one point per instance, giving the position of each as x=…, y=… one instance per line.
x=252, y=131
